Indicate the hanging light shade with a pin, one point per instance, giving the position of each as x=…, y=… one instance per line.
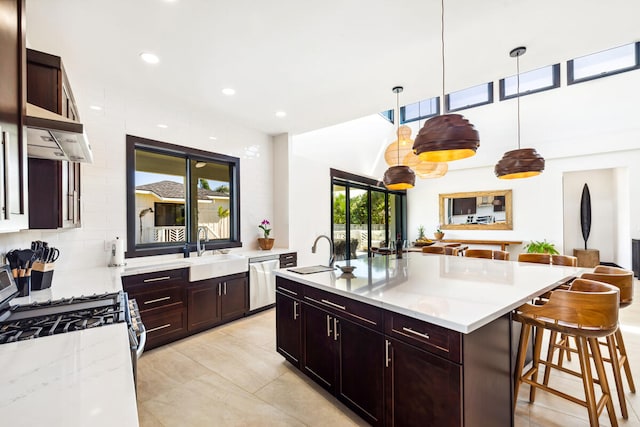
x=523, y=162
x=446, y=137
x=404, y=143
x=398, y=177
x=424, y=169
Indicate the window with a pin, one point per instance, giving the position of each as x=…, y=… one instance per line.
x=471, y=97
x=605, y=63
x=364, y=215
x=544, y=78
x=388, y=115
x=420, y=110
x=174, y=191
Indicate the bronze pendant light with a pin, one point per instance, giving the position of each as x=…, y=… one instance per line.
x=399, y=177
x=523, y=162
x=446, y=137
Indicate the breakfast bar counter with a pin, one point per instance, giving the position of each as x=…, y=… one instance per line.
x=421, y=340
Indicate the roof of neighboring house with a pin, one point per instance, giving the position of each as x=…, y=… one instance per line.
x=175, y=190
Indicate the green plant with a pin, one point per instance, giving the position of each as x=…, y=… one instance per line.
x=264, y=226
x=222, y=212
x=421, y=232
x=543, y=247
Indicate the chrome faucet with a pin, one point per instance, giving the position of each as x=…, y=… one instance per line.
x=199, y=243
x=332, y=258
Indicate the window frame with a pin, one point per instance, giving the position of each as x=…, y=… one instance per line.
x=403, y=114
x=188, y=153
x=349, y=180
x=570, y=69
x=447, y=102
x=555, y=73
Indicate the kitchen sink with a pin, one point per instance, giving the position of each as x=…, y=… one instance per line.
x=209, y=266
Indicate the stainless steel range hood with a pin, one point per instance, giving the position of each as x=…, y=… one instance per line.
x=52, y=136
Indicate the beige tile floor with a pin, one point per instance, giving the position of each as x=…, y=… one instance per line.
x=232, y=376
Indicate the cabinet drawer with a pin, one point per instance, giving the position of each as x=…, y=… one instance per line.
x=164, y=326
x=429, y=337
x=358, y=312
x=288, y=287
x=289, y=260
x=148, y=299
x=155, y=278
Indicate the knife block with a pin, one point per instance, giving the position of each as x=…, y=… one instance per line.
x=41, y=275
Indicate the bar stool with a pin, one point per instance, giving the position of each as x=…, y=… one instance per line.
x=479, y=253
x=451, y=250
x=433, y=250
x=502, y=255
x=587, y=311
x=568, y=260
x=537, y=258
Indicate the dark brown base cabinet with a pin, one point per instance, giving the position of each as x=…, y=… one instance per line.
x=392, y=369
x=172, y=308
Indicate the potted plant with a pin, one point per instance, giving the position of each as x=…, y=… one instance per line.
x=265, y=242
x=421, y=232
x=439, y=235
x=543, y=247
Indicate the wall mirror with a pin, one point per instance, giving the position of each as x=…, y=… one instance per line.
x=477, y=210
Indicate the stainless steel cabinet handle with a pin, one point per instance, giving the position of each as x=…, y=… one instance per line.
x=225, y=288
x=411, y=331
x=158, y=328
x=295, y=310
x=142, y=342
x=328, y=325
x=157, y=279
x=7, y=186
x=386, y=353
x=151, y=301
x=332, y=304
x=287, y=291
x=219, y=289
x=335, y=329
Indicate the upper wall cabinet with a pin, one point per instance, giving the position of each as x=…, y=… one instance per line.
x=478, y=210
x=54, y=198
x=13, y=166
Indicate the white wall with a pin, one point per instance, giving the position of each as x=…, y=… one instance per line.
x=584, y=127
x=104, y=182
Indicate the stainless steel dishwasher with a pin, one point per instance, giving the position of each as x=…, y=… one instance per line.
x=262, y=281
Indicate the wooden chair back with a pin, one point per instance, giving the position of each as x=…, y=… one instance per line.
x=618, y=277
x=450, y=250
x=537, y=258
x=568, y=260
x=479, y=253
x=588, y=308
x=433, y=250
x=502, y=255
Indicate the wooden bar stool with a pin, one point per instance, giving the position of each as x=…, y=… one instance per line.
x=451, y=250
x=502, y=255
x=568, y=260
x=586, y=312
x=479, y=253
x=433, y=250
x=537, y=258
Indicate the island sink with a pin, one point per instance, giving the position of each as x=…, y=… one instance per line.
x=209, y=266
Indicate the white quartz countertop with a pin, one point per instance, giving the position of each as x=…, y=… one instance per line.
x=458, y=293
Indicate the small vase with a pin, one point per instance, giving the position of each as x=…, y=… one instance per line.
x=438, y=235
x=265, y=244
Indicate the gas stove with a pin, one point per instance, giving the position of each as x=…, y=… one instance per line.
x=39, y=319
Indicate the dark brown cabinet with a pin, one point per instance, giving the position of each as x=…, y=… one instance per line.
x=162, y=302
x=54, y=199
x=216, y=300
x=289, y=260
x=13, y=166
x=288, y=338
x=318, y=353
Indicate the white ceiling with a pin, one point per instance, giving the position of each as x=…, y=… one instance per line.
x=322, y=62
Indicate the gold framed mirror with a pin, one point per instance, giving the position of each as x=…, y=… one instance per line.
x=476, y=210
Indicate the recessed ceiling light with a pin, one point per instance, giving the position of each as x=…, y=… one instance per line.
x=213, y=138
x=95, y=107
x=162, y=126
x=281, y=114
x=149, y=58
x=228, y=91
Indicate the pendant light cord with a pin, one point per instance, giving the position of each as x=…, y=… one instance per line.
x=398, y=124
x=518, y=92
x=442, y=51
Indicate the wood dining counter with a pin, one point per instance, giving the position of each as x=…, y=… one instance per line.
x=502, y=243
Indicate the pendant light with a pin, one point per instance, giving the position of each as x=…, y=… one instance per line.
x=399, y=177
x=446, y=137
x=523, y=162
x=404, y=143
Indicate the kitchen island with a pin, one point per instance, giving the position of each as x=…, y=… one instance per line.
x=422, y=340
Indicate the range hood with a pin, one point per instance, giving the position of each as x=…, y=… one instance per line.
x=52, y=136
